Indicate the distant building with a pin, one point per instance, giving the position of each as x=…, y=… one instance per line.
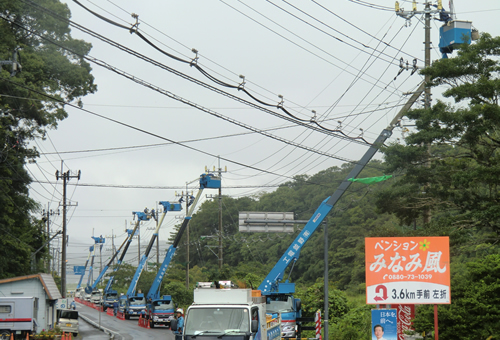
x=41, y=286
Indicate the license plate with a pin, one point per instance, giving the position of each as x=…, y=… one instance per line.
x=68, y=325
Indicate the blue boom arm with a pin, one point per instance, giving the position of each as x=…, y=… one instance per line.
x=271, y=283
x=89, y=279
x=141, y=216
x=272, y=280
x=167, y=206
x=206, y=181
x=86, y=263
x=107, y=266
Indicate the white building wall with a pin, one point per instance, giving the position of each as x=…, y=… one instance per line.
x=45, y=317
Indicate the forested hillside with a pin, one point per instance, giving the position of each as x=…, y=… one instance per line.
x=353, y=219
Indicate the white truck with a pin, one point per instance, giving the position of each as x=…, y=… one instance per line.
x=96, y=297
x=18, y=316
x=236, y=314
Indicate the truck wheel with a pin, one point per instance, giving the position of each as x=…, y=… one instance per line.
x=127, y=317
x=151, y=324
x=75, y=335
x=4, y=335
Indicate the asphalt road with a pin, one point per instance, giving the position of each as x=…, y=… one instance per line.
x=97, y=325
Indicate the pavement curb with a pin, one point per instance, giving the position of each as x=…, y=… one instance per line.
x=112, y=335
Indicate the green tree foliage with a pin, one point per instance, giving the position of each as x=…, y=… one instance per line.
x=352, y=219
x=475, y=306
x=25, y=113
x=312, y=299
x=354, y=325
x=449, y=166
x=181, y=296
x=457, y=176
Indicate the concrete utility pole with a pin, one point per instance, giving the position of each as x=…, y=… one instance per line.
x=46, y=218
x=186, y=197
x=427, y=54
x=220, y=213
x=66, y=176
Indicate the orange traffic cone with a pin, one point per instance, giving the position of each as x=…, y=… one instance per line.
x=11, y=336
x=27, y=336
x=70, y=335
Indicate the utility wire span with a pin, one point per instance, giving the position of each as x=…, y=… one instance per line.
x=160, y=187
x=175, y=97
x=351, y=24
x=147, y=132
x=289, y=117
x=193, y=63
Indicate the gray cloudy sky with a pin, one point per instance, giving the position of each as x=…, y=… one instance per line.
x=137, y=145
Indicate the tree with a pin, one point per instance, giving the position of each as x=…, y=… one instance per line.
x=36, y=34
x=451, y=162
x=475, y=307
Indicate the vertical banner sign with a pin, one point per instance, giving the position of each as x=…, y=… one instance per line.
x=405, y=314
x=407, y=270
x=384, y=324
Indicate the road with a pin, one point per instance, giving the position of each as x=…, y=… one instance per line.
x=94, y=325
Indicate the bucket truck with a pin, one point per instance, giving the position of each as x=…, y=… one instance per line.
x=110, y=296
x=80, y=291
x=136, y=304
x=279, y=294
x=160, y=308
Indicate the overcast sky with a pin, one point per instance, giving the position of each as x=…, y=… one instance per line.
x=139, y=142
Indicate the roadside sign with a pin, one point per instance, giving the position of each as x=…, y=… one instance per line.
x=407, y=270
x=79, y=270
x=62, y=304
x=406, y=313
x=384, y=324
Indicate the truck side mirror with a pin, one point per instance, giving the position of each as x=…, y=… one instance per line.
x=298, y=304
x=255, y=326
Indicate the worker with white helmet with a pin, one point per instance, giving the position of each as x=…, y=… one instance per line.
x=180, y=320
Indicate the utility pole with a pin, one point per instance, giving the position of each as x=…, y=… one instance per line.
x=46, y=218
x=189, y=200
x=66, y=176
x=186, y=197
x=139, y=244
x=16, y=66
x=427, y=59
x=113, y=249
x=220, y=212
x=157, y=241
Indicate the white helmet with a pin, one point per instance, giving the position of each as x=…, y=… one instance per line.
x=179, y=310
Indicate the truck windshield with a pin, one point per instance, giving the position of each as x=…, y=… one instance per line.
x=137, y=301
x=217, y=320
x=163, y=305
x=278, y=304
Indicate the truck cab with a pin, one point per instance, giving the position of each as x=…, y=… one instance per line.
x=96, y=297
x=133, y=305
x=289, y=309
x=67, y=321
x=160, y=311
x=109, y=299
x=235, y=314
